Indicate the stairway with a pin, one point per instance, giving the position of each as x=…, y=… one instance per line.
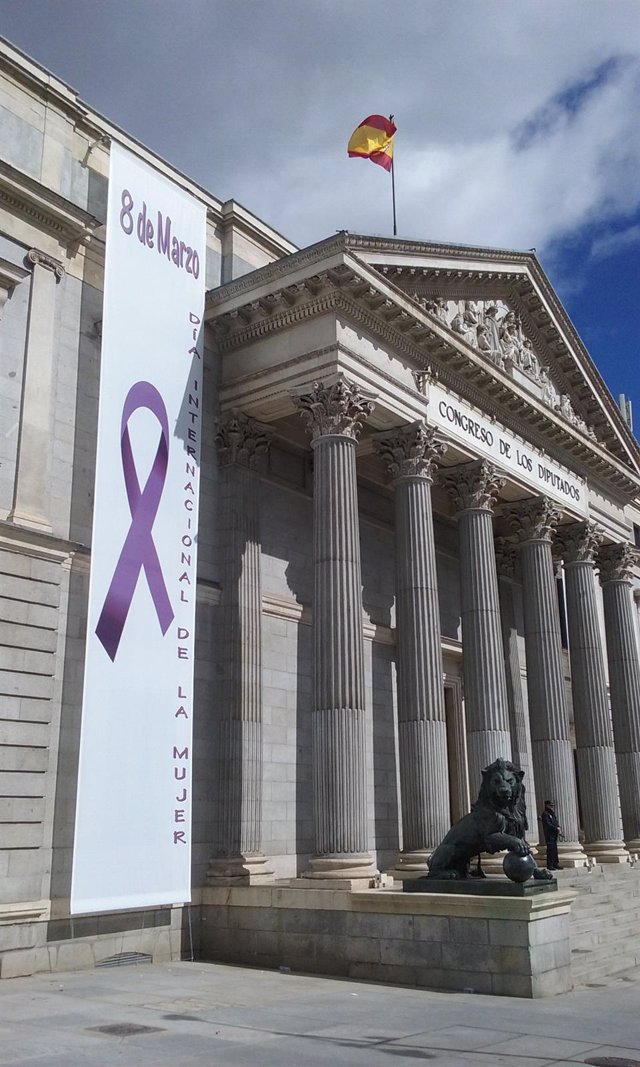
x=605, y=921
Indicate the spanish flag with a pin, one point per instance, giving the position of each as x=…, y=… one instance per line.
x=373, y=139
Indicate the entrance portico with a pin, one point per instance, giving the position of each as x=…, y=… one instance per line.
x=412, y=424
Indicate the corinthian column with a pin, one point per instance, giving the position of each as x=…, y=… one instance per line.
x=474, y=489
x=411, y=454
x=242, y=445
x=508, y=567
x=594, y=739
x=334, y=414
x=552, y=752
x=616, y=562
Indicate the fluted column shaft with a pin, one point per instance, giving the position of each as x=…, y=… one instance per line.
x=242, y=443
x=474, y=489
x=595, y=753
x=624, y=682
x=339, y=718
x=518, y=720
x=422, y=730
x=551, y=747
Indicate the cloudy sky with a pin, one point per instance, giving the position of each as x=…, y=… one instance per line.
x=517, y=122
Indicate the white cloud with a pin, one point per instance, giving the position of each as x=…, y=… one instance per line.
x=613, y=243
x=256, y=100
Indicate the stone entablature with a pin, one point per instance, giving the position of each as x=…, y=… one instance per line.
x=329, y=281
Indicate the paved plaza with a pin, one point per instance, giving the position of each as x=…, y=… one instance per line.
x=208, y=1014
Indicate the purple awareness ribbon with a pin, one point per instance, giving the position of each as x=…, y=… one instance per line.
x=138, y=550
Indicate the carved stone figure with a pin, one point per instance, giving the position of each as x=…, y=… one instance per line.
x=465, y=323
x=528, y=358
x=438, y=308
x=510, y=337
x=549, y=394
x=497, y=821
x=492, y=329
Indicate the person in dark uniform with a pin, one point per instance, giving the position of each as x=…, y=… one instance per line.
x=551, y=831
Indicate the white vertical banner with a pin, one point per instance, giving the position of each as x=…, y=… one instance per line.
x=133, y=813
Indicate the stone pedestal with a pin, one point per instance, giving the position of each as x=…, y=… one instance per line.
x=551, y=748
x=242, y=444
x=506, y=946
x=474, y=489
x=411, y=454
x=594, y=739
x=335, y=413
x=616, y=562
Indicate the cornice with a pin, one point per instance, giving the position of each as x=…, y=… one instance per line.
x=274, y=271
x=403, y=246
x=43, y=207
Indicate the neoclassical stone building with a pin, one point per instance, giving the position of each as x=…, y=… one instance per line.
x=419, y=505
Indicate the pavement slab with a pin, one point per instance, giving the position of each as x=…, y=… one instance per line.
x=212, y=1015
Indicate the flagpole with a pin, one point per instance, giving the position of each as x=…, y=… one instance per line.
x=393, y=191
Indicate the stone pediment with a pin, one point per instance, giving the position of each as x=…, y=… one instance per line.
x=487, y=325
x=497, y=332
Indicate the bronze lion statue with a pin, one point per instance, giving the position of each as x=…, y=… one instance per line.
x=497, y=821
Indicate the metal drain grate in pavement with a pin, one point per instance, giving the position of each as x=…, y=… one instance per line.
x=125, y=1029
x=122, y=959
x=612, y=1061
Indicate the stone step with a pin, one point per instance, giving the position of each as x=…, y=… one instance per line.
x=610, y=916
x=603, y=912
x=627, y=908
x=602, y=934
x=604, y=922
x=588, y=966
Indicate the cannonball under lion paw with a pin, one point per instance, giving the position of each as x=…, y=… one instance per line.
x=518, y=868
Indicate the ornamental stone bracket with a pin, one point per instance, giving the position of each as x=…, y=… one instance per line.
x=617, y=562
x=473, y=486
x=339, y=408
x=411, y=452
x=37, y=258
x=242, y=441
x=533, y=520
x=578, y=542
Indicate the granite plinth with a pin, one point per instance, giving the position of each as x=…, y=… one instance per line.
x=481, y=887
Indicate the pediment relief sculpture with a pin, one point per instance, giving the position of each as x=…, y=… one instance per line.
x=496, y=332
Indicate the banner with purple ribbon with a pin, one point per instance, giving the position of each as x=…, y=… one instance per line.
x=132, y=841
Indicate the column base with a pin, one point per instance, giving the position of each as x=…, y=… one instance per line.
x=248, y=869
x=570, y=854
x=31, y=521
x=349, y=866
x=412, y=864
x=633, y=847
x=607, y=851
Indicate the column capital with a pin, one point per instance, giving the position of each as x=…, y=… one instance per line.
x=616, y=562
x=242, y=441
x=41, y=259
x=578, y=542
x=474, y=486
x=507, y=557
x=338, y=408
x=534, y=520
x=410, y=452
